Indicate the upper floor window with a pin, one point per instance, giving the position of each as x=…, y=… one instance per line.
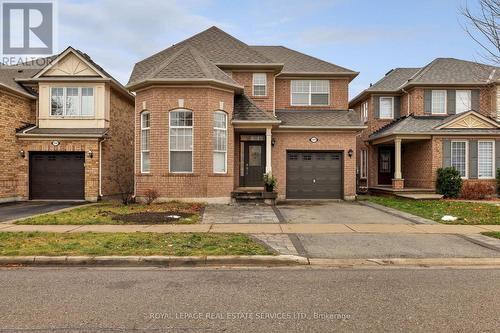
x=181, y=141
x=259, y=84
x=459, y=157
x=220, y=142
x=72, y=101
x=386, y=107
x=364, y=111
x=485, y=159
x=438, y=102
x=145, y=135
x=310, y=92
x=463, y=101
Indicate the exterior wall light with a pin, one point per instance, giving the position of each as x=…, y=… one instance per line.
x=350, y=152
x=22, y=154
x=273, y=141
x=90, y=154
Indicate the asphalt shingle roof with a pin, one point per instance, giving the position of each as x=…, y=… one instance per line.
x=64, y=131
x=393, y=80
x=297, y=62
x=319, y=118
x=245, y=109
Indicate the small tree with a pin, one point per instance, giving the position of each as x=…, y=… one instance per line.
x=449, y=182
x=150, y=196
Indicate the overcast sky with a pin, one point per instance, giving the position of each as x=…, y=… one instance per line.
x=364, y=35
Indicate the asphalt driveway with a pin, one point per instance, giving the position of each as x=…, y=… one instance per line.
x=17, y=210
x=335, y=212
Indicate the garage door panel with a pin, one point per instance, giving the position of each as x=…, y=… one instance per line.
x=314, y=175
x=57, y=176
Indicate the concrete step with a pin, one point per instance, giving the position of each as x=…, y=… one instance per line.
x=420, y=196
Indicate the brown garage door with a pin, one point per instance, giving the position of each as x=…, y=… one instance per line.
x=57, y=176
x=314, y=175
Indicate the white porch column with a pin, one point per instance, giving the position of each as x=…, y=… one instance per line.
x=268, y=150
x=397, y=146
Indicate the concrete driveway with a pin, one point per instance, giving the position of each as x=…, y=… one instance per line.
x=17, y=210
x=335, y=212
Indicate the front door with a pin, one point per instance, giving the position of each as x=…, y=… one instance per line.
x=385, y=165
x=255, y=163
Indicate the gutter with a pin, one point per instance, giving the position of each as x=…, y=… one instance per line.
x=256, y=121
x=324, y=127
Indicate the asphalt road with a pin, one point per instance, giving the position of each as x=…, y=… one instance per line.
x=249, y=300
x=17, y=210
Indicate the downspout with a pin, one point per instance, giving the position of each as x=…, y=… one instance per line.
x=274, y=94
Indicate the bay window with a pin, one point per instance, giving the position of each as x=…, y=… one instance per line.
x=220, y=142
x=310, y=92
x=145, y=138
x=438, y=102
x=485, y=159
x=181, y=141
x=459, y=157
x=71, y=101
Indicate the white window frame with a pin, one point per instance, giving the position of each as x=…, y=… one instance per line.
x=363, y=161
x=310, y=93
x=466, y=156
x=149, y=150
x=392, y=107
x=192, y=141
x=469, y=92
x=493, y=156
x=257, y=75
x=221, y=151
x=79, y=104
x=445, y=102
x=364, y=111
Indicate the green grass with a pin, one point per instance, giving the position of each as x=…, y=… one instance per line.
x=143, y=244
x=102, y=213
x=467, y=212
x=494, y=234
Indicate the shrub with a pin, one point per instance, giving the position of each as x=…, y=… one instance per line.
x=477, y=190
x=151, y=195
x=269, y=180
x=449, y=182
x=498, y=181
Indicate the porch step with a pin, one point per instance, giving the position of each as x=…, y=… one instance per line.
x=420, y=196
x=253, y=197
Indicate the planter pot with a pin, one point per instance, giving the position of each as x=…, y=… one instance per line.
x=269, y=188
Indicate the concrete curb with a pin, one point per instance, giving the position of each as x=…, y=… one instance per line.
x=50, y=213
x=407, y=262
x=397, y=213
x=164, y=261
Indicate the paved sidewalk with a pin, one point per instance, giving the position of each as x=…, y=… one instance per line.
x=263, y=228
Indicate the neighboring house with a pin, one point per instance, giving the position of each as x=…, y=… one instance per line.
x=67, y=129
x=214, y=114
x=421, y=119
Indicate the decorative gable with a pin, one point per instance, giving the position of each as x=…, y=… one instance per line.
x=71, y=65
x=470, y=120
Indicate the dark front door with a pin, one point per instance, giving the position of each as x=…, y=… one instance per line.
x=255, y=163
x=385, y=165
x=56, y=176
x=314, y=175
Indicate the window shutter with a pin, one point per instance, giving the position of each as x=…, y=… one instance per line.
x=451, y=102
x=376, y=107
x=397, y=107
x=427, y=101
x=497, y=155
x=475, y=100
x=473, y=159
x=446, y=153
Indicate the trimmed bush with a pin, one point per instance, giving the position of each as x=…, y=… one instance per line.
x=449, y=183
x=498, y=181
x=477, y=191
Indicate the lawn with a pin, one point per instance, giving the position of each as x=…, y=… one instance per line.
x=143, y=244
x=467, y=212
x=494, y=234
x=114, y=212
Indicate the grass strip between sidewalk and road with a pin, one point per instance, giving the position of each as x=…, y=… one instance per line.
x=494, y=234
x=127, y=244
x=468, y=213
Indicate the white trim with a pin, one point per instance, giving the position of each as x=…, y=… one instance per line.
x=392, y=107
x=140, y=142
x=265, y=84
x=192, y=142
x=309, y=93
x=227, y=140
x=445, y=102
x=493, y=156
x=466, y=156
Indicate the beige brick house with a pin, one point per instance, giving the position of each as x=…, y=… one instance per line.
x=446, y=113
x=67, y=130
x=214, y=114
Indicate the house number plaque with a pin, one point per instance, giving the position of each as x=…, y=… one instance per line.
x=314, y=139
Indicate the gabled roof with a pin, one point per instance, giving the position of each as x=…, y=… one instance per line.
x=245, y=110
x=326, y=119
x=393, y=80
x=299, y=63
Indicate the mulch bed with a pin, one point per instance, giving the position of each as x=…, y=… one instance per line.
x=151, y=217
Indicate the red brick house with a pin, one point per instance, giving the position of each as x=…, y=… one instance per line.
x=214, y=114
x=67, y=130
x=446, y=113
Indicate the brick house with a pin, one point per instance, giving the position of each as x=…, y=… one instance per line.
x=446, y=113
x=67, y=129
x=214, y=114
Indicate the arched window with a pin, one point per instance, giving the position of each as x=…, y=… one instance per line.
x=145, y=137
x=220, y=142
x=181, y=141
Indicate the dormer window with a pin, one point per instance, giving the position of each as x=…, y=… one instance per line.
x=72, y=101
x=259, y=84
